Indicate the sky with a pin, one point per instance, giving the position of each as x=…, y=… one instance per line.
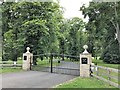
x=72, y=8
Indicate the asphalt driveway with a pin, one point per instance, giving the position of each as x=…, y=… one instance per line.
x=33, y=79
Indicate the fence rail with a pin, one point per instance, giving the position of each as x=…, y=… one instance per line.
x=108, y=81
x=11, y=65
x=109, y=75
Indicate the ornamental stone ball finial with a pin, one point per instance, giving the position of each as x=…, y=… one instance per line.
x=28, y=50
x=85, y=47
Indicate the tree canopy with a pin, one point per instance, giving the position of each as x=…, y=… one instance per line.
x=42, y=27
x=103, y=28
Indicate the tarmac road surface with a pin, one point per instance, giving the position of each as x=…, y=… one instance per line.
x=33, y=79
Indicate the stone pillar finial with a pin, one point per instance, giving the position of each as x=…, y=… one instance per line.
x=85, y=47
x=85, y=62
x=28, y=50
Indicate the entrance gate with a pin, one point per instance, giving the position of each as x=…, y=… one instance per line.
x=57, y=63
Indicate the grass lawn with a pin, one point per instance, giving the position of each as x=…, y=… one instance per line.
x=85, y=83
x=101, y=63
x=44, y=63
x=9, y=70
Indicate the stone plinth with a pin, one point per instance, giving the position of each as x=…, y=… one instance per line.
x=84, y=70
x=27, y=60
x=85, y=61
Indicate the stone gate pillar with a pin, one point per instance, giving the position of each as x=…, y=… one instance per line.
x=27, y=60
x=85, y=61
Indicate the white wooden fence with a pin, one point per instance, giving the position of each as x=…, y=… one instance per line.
x=10, y=64
x=109, y=75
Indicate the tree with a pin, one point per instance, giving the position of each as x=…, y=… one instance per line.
x=75, y=37
x=103, y=21
x=33, y=24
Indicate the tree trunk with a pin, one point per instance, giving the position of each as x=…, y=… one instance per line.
x=118, y=35
x=15, y=49
x=35, y=58
x=117, y=25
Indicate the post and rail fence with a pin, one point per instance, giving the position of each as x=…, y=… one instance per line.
x=109, y=75
x=10, y=64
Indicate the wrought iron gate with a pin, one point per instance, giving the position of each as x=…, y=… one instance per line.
x=57, y=63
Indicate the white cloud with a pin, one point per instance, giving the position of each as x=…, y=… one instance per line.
x=72, y=7
x=0, y=2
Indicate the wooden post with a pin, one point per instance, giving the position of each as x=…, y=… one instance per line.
x=109, y=76
x=97, y=70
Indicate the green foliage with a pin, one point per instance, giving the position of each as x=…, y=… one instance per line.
x=103, y=26
x=39, y=25
x=111, y=55
x=32, y=24
x=73, y=37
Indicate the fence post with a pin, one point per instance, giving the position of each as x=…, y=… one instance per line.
x=14, y=63
x=97, y=70
x=109, y=76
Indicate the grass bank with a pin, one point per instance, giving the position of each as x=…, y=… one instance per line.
x=101, y=63
x=85, y=83
x=9, y=70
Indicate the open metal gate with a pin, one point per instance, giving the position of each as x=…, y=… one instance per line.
x=57, y=63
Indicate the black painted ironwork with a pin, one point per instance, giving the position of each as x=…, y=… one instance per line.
x=54, y=63
x=51, y=59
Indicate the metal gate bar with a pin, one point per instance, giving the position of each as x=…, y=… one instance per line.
x=50, y=67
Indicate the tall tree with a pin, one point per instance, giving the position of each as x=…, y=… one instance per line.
x=75, y=36
x=33, y=24
x=104, y=22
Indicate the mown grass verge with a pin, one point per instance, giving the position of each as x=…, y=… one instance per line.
x=10, y=70
x=41, y=64
x=85, y=83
